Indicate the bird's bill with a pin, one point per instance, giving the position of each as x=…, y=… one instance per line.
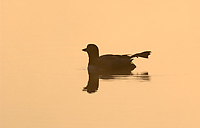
x=85, y=49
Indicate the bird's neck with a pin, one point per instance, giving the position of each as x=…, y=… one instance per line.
x=93, y=59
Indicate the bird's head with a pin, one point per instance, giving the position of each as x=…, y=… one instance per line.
x=92, y=50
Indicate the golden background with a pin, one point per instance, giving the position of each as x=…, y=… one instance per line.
x=42, y=65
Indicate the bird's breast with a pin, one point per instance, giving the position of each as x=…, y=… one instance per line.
x=92, y=69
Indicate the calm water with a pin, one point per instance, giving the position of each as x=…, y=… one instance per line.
x=43, y=70
x=47, y=93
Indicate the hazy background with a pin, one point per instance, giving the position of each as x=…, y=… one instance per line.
x=42, y=67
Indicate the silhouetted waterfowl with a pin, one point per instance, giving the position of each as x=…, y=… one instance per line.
x=111, y=64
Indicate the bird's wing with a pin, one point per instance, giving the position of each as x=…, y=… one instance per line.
x=114, y=61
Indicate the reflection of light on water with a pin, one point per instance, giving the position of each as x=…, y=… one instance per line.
x=81, y=68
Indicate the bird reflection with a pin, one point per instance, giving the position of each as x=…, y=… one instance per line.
x=138, y=76
x=93, y=82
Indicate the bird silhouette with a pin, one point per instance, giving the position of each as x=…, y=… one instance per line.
x=111, y=64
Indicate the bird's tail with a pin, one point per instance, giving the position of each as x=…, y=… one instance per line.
x=144, y=54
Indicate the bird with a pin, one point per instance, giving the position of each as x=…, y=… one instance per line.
x=110, y=64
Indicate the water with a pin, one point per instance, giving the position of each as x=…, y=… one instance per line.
x=43, y=71
x=45, y=93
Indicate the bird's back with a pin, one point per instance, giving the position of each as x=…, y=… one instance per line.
x=115, y=64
